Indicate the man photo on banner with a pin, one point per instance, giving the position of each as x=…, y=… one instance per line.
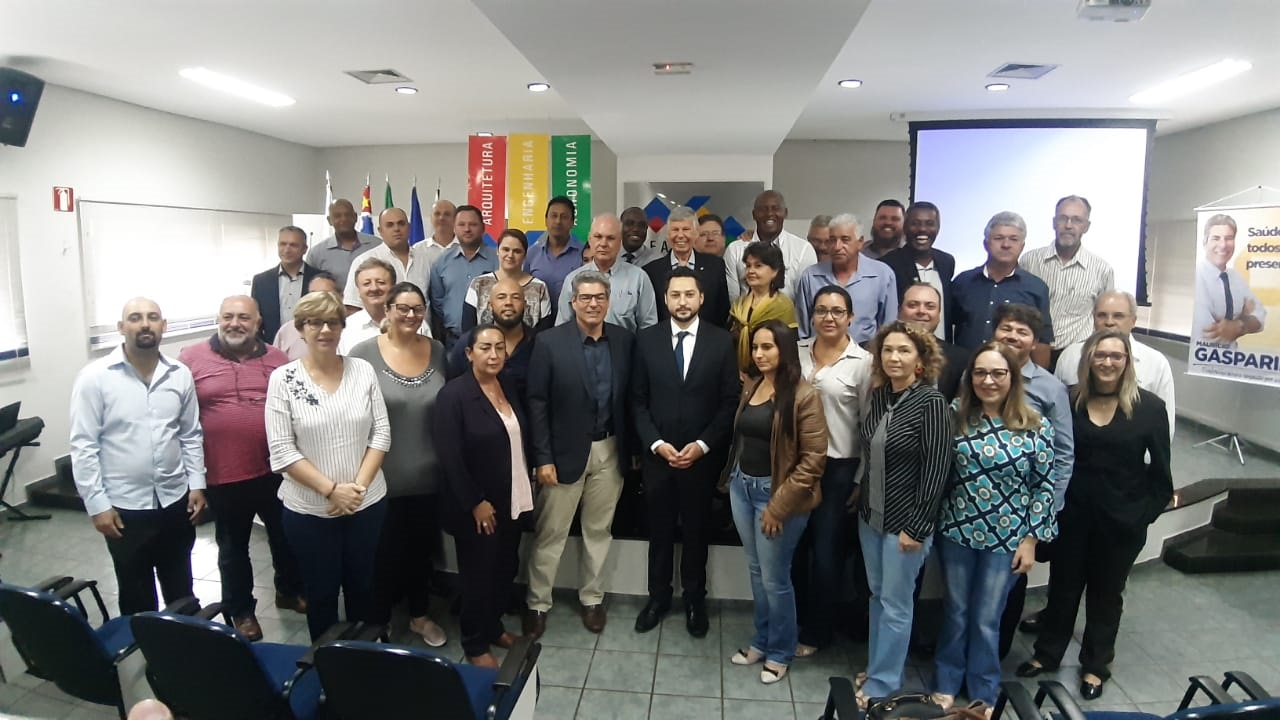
x=1226, y=307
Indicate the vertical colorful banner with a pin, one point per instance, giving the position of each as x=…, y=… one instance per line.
x=487, y=181
x=1237, y=285
x=571, y=177
x=528, y=179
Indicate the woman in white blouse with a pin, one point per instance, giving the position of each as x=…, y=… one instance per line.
x=513, y=246
x=327, y=431
x=841, y=371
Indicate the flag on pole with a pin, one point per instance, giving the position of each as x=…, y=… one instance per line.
x=437, y=191
x=328, y=192
x=417, y=231
x=387, y=202
x=366, y=210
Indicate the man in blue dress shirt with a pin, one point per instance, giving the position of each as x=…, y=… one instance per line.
x=870, y=283
x=137, y=454
x=457, y=267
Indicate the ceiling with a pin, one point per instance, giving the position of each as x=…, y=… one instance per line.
x=765, y=72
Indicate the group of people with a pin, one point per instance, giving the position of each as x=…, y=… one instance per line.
x=372, y=393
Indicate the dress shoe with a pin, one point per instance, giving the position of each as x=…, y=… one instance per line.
x=593, y=618
x=1033, y=624
x=695, y=619
x=535, y=624
x=248, y=626
x=296, y=603
x=1090, y=691
x=1029, y=670
x=651, y=615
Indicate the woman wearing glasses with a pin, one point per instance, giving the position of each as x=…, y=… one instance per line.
x=513, y=246
x=410, y=371
x=327, y=431
x=998, y=506
x=1115, y=493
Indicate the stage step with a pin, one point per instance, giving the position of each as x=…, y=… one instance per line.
x=58, y=490
x=1249, y=512
x=1243, y=536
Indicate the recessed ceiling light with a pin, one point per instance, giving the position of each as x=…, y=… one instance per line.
x=997, y=87
x=484, y=133
x=850, y=84
x=1191, y=82
x=538, y=87
x=407, y=90
x=233, y=86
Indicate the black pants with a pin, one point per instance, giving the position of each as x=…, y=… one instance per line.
x=683, y=495
x=336, y=554
x=410, y=538
x=1092, y=557
x=156, y=544
x=486, y=567
x=818, y=568
x=234, y=507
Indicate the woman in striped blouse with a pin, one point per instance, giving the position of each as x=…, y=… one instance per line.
x=906, y=450
x=327, y=430
x=999, y=505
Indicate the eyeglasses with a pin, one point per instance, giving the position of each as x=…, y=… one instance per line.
x=1072, y=219
x=1115, y=357
x=835, y=313
x=710, y=233
x=998, y=375
x=410, y=309
x=320, y=323
x=596, y=298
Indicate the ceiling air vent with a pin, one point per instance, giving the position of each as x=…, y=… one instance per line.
x=379, y=77
x=1022, y=71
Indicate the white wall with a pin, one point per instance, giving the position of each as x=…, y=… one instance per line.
x=113, y=151
x=828, y=177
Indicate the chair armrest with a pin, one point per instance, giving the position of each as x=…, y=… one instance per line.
x=72, y=589
x=52, y=583
x=367, y=632
x=1207, y=685
x=1016, y=694
x=1061, y=698
x=212, y=611
x=183, y=606
x=841, y=700
x=1246, y=682
x=335, y=632
x=519, y=660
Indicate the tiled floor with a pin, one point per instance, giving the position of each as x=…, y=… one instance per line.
x=1175, y=625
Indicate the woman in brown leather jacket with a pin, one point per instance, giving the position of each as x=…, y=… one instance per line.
x=779, y=452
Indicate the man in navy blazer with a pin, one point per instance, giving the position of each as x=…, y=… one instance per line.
x=684, y=393
x=918, y=261
x=277, y=290
x=682, y=231
x=578, y=412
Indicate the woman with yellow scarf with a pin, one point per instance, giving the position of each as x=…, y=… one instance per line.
x=765, y=274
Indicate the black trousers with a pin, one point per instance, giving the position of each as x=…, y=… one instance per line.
x=1092, y=557
x=404, y=565
x=156, y=544
x=234, y=507
x=818, y=567
x=682, y=496
x=486, y=567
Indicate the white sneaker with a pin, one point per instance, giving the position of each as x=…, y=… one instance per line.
x=943, y=700
x=431, y=633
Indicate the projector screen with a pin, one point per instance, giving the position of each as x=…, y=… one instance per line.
x=975, y=168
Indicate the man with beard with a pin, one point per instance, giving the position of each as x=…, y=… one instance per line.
x=442, y=238
x=682, y=233
x=337, y=252
x=506, y=301
x=635, y=238
x=886, y=230
x=137, y=455
x=769, y=211
x=277, y=290
x=230, y=372
x=409, y=262
x=918, y=261
x=451, y=277
x=870, y=283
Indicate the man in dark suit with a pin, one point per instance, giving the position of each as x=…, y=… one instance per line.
x=922, y=304
x=684, y=392
x=682, y=231
x=578, y=380
x=277, y=290
x=918, y=261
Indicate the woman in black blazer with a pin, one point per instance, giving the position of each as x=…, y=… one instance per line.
x=480, y=420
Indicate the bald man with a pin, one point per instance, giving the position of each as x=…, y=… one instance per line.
x=137, y=455
x=409, y=261
x=230, y=372
x=632, y=303
x=770, y=213
x=442, y=237
x=338, y=252
x=150, y=709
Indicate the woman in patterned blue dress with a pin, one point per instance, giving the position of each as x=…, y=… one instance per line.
x=998, y=505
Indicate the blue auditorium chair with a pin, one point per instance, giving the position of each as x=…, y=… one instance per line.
x=1257, y=705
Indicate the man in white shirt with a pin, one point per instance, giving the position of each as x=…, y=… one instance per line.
x=1226, y=307
x=409, y=262
x=769, y=212
x=442, y=237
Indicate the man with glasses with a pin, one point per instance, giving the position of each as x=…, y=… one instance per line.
x=230, y=372
x=869, y=282
x=710, y=235
x=632, y=303
x=1075, y=276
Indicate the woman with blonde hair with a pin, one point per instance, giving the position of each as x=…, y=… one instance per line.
x=998, y=506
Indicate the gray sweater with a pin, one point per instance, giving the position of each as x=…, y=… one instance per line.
x=410, y=466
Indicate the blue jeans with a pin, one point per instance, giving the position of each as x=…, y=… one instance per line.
x=336, y=553
x=978, y=583
x=819, y=572
x=769, y=562
x=891, y=573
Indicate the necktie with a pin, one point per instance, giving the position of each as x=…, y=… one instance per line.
x=680, y=336
x=1226, y=290
x=630, y=257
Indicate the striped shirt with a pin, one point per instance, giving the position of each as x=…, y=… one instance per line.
x=917, y=458
x=1074, y=285
x=332, y=431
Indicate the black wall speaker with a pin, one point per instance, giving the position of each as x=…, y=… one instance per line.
x=19, y=97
